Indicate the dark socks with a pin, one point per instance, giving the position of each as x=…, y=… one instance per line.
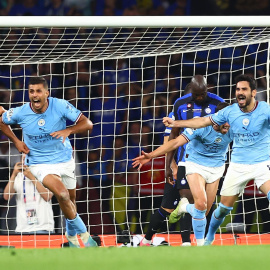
x=185, y=227
x=155, y=222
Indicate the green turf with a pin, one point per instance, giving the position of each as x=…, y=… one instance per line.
x=140, y=258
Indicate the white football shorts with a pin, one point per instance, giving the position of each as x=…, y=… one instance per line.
x=210, y=174
x=238, y=175
x=65, y=170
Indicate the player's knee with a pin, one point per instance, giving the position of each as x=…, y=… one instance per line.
x=198, y=214
x=63, y=196
x=222, y=211
x=201, y=204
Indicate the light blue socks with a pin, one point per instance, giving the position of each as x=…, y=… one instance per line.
x=75, y=225
x=217, y=219
x=199, y=224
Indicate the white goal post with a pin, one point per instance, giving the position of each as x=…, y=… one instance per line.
x=124, y=73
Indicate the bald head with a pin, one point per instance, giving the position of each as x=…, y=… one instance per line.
x=198, y=86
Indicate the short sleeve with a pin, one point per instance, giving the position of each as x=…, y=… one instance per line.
x=190, y=133
x=11, y=116
x=220, y=117
x=69, y=111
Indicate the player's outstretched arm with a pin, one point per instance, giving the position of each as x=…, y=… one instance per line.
x=198, y=122
x=20, y=145
x=82, y=125
x=163, y=149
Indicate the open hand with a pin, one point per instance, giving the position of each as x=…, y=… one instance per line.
x=141, y=160
x=61, y=133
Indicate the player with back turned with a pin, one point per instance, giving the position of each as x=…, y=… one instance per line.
x=49, y=152
x=195, y=104
x=249, y=121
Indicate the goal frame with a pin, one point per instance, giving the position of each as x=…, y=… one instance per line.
x=133, y=21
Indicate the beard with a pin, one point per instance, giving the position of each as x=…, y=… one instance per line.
x=244, y=104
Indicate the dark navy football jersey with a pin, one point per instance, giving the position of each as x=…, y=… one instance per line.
x=185, y=108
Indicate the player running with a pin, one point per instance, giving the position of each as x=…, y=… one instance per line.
x=205, y=165
x=48, y=149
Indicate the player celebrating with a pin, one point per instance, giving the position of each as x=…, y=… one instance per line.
x=195, y=104
x=206, y=147
x=48, y=149
x=249, y=121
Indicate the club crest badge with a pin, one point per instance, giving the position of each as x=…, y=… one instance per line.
x=183, y=181
x=245, y=121
x=207, y=110
x=41, y=122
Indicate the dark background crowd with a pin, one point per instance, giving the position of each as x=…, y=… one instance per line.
x=133, y=7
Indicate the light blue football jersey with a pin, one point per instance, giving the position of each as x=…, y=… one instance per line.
x=206, y=146
x=44, y=149
x=250, y=132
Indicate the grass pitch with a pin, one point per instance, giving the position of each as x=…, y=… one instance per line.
x=139, y=258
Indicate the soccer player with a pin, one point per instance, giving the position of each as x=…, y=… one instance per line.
x=48, y=149
x=249, y=121
x=195, y=104
x=206, y=147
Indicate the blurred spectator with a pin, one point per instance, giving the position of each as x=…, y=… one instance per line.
x=59, y=8
x=178, y=8
x=99, y=173
x=153, y=112
x=132, y=102
x=6, y=96
x=120, y=76
x=97, y=177
x=85, y=7
x=172, y=89
x=34, y=209
x=4, y=172
x=206, y=7
x=113, y=7
x=150, y=8
x=72, y=96
x=121, y=161
x=134, y=140
x=157, y=75
x=107, y=114
x=5, y=6
x=8, y=151
x=240, y=7
x=16, y=79
x=26, y=8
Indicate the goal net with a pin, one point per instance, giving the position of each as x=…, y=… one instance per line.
x=126, y=79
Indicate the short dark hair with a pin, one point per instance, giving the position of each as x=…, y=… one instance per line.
x=38, y=80
x=222, y=105
x=246, y=78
